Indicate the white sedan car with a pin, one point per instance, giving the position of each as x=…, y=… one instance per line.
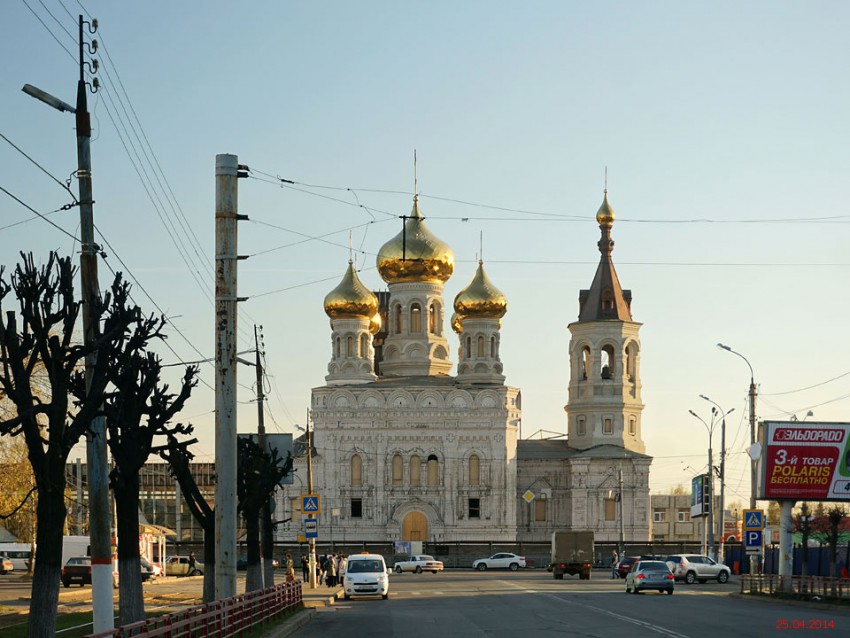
x=502, y=560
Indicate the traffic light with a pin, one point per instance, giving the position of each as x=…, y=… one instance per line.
x=706, y=493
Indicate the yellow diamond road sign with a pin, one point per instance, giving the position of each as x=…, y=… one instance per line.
x=528, y=496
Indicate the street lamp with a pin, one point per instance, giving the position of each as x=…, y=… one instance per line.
x=710, y=525
x=723, y=414
x=311, y=541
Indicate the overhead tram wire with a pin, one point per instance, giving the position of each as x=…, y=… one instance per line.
x=64, y=186
x=50, y=31
x=41, y=215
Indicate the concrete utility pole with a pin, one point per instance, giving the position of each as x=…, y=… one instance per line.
x=266, y=541
x=622, y=547
x=313, y=583
x=226, y=256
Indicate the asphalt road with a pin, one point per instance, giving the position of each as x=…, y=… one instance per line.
x=530, y=603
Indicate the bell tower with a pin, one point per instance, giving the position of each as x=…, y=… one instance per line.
x=605, y=405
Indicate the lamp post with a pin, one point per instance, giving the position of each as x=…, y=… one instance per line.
x=723, y=414
x=312, y=541
x=96, y=454
x=710, y=524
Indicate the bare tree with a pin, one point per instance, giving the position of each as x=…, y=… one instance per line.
x=48, y=312
x=138, y=408
x=259, y=473
x=179, y=458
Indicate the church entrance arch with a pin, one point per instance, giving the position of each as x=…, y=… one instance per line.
x=414, y=527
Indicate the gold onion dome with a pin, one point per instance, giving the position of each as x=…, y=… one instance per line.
x=375, y=323
x=481, y=298
x=457, y=323
x=605, y=214
x=351, y=298
x=415, y=254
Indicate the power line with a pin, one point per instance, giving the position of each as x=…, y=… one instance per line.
x=65, y=186
x=42, y=216
x=50, y=31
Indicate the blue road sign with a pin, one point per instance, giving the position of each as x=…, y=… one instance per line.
x=311, y=504
x=753, y=538
x=311, y=528
x=753, y=519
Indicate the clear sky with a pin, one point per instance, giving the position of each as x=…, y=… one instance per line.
x=723, y=126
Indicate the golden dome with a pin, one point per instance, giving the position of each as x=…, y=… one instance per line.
x=457, y=323
x=605, y=214
x=375, y=323
x=415, y=254
x=350, y=298
x=481, y=298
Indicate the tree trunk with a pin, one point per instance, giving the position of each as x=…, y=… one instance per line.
x=48, y=560
x=254, y=577
x=209, y=559
x=267, y=545
x=131, y=603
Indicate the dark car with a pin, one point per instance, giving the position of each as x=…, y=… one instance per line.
x=77, y=570
x=625, y=565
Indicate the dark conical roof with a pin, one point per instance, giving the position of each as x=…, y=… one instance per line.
x=605, y=300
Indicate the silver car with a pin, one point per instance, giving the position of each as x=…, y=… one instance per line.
x=502, y=560
x=650, y=574
x=696, y=567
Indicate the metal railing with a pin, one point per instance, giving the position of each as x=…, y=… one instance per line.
x=821, y=587
x=221, y=619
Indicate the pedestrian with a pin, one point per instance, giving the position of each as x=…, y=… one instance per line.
x=614, y=560
x=331, y=569
x=340, y=572
x=191, y=563
x=290, y=569
x=305, y=568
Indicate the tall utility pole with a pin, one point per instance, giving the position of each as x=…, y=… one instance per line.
x=266, y=541
x=313, y=583
x=622, y=547
x=226, y=256
x=96, y=456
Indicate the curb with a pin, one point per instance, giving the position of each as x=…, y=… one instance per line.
x=288, y=627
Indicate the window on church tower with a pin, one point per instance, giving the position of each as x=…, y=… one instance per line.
x=433, y=470
x=607, y=426
x=357, y=508
x=398, y=470
x=336, y=347
x=631, y=362
x=492, y=347
x=397, y=319
x=581, y=426
x=607, y=370
x=349, y=346
x=415, y=318
x=356, y=470
x=474, y=470
x=632, y=426
x=364, y=346
x=585, y=362
x=480, y=346
x=610, y=509
x=415, y=470
x=475, y=508
x=433, y=324
x=540, y=509
x=467, y=351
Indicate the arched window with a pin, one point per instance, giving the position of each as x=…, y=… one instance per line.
x=492, y=347
x=336, y=347
x=585, y=362
x=432, y=319
x=364, y=346
x=397, y=317
x=467, y=351
x=581, y=426
x=415, y=318
x=415, y=470
x=356, y=470
x=433, y=470
x=631, y=362
x=480, y=346
x=474, y=470
x=607, y=371
x=398, y=470
x=349, y=346
x=632, y=426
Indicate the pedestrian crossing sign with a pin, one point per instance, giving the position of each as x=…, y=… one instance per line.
x=753, y=519
x=311, y=504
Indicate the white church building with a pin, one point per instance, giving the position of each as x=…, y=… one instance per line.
x=402, y=450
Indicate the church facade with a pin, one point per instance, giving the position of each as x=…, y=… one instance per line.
x=403, y=450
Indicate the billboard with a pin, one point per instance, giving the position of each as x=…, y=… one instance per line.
x=805, y=461
x=698, y=496
x=280, y=442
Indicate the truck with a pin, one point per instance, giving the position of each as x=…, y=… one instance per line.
x=572, y=553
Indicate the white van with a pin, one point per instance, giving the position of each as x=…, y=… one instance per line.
x=18, y=553
x=366, y=575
